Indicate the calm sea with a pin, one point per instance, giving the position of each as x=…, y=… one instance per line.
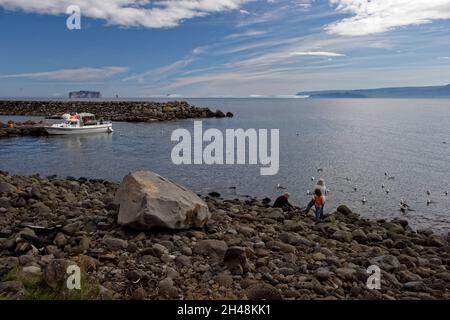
x=354, y=141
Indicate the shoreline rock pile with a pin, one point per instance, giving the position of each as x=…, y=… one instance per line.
x=127, y=111
x=17, y=129
x=246, y=250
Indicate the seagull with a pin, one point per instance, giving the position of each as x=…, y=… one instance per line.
x=428, y=202
x=382, y=186
x=312, y=178
x=428, y=192
x=403, y=206
x=446, y=193
x=387, y=191
x=308, y=193
x=364, y=200
x=391, y=178
x=355, y=187
x=319, y=170
x=280, y=186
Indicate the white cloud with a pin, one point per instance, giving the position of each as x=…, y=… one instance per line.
x=248, y=33
x=371, y=17
x=317, y=54
x=130, y=13
x=80, y=74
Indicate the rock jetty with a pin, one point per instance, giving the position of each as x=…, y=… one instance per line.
x=18, y=129
x=246, y=250
x=129, y=111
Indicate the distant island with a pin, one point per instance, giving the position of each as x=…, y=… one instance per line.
x=400, y=92
x=84, y=94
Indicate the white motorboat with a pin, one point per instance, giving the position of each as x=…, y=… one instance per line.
x=80, y=123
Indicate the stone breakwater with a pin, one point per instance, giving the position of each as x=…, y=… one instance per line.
x=246, y=250
x=18, y=129
x=129, y=111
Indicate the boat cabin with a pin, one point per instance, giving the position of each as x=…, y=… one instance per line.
x=80, y=119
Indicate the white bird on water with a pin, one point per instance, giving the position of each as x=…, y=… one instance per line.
x=280, y=186
x=364, y=200
x=308, y=193
x=312, y=178
x=428, y=202
x=403, y=206
x=387, y=191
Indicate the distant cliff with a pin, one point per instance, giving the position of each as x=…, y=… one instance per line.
x=401, y=92
x=84, y=94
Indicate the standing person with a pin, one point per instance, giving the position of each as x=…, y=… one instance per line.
x=283, y=202
x=319, y=202
x=323, y=189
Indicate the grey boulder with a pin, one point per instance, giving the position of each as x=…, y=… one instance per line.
x=147, y=200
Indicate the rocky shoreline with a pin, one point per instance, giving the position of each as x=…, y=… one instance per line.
x=246, y=250
x=20, y=129
x=127, y=111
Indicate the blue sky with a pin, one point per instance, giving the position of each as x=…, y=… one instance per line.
x=143, y=48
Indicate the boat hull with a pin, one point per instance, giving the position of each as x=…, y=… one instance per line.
x=105, y=128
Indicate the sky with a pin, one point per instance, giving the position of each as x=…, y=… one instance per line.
x=224, y=48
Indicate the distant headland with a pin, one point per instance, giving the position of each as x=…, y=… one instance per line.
x=398, y=92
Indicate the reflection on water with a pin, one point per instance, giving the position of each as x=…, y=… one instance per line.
x=357, y=139
x=77, y=142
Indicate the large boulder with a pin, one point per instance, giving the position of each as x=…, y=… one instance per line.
x=148, y=200
x=344, y=210
x=262, y=291
x=386, y=262
x=215, y=249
